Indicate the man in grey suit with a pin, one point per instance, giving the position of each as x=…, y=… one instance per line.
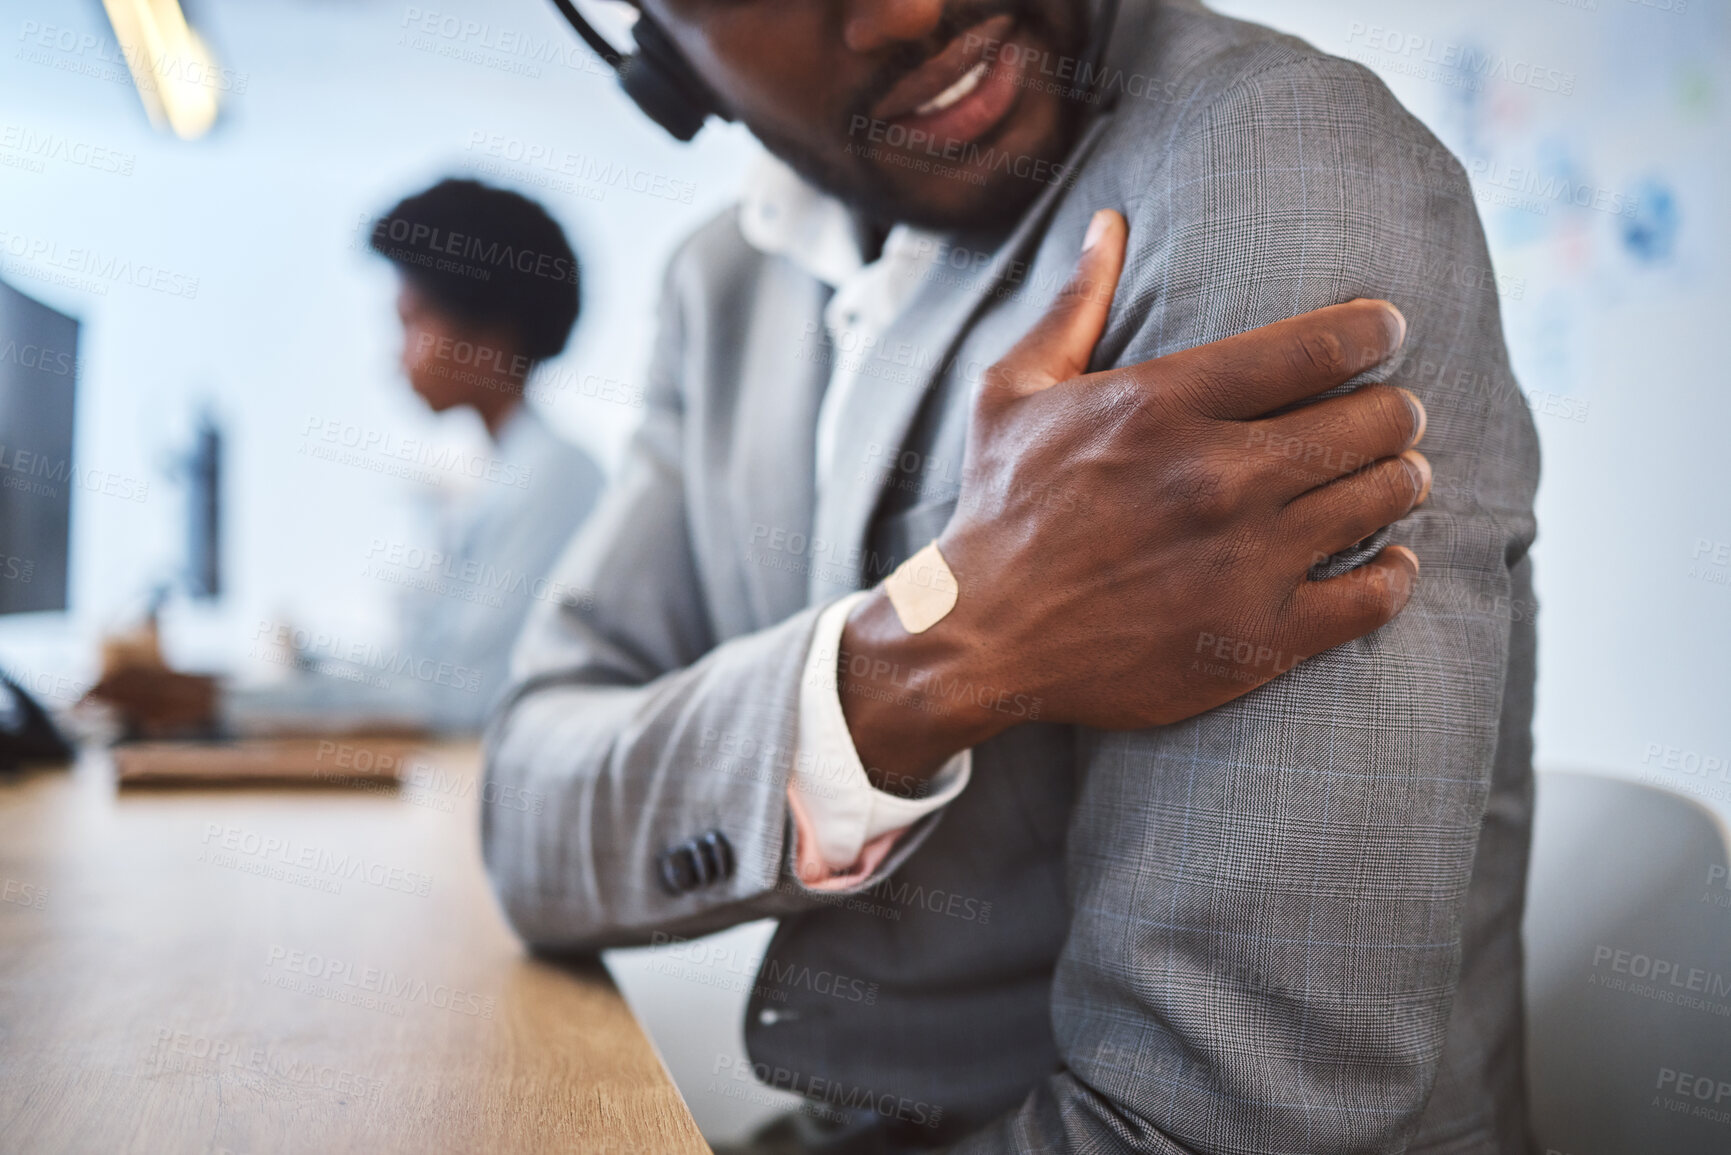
x=1144, y=818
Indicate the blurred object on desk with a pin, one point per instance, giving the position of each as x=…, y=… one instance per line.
x=149, y=699
x=333, y=760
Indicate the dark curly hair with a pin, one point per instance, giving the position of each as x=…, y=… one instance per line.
x=487, y=257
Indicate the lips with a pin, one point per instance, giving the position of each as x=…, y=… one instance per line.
x=948, y=97
x=962, y=92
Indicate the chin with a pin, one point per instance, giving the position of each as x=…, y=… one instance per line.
x=1021, y=161
x=993, y=206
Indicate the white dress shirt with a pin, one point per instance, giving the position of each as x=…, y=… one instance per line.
x=834, y=803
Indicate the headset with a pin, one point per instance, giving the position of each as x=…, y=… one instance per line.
x=656, y=76
x=669, y=90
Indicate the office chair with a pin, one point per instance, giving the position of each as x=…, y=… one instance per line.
x=1628, y=971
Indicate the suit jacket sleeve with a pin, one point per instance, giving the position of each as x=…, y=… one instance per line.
x=1267, y=899
x=630, y=729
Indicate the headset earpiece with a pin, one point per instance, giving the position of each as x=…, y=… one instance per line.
x=656, y=76
x=664, y=85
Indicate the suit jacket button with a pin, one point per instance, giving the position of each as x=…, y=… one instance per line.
x=715, y=857
x=679, y=868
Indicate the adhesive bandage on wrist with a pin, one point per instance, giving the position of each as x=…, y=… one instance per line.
x=922, y=590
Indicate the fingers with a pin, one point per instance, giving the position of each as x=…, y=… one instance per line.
x=1318, y=443
x=1277, y=365
x=1333, y=612
x=1059, y=346
x=1329, y=519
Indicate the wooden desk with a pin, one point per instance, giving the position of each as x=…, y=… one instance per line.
x=320, y=971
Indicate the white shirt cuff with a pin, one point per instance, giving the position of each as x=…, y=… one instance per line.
x=843, y=808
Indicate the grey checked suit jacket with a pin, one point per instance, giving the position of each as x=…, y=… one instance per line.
x=1288, y=925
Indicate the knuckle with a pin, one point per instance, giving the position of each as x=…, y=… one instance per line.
x=1323, y=351
x=1061, y=313
x=988, y=397
x=1378, y=599
x=1229, y=557
x=1404, y=485
x=1393, y=417
x=1308, y=625
x=1382, y=418
x=999, y=384
x=1182, y=387
x=1204, y=486
x=1375, y=496
x=1078, y=291
x=1392, y=488
x=1122, y=411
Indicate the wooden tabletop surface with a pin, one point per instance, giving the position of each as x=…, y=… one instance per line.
x=294, y=970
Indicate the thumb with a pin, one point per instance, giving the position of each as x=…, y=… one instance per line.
x=1059, y=346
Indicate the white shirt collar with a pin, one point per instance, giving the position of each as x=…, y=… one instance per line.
x=780, y=214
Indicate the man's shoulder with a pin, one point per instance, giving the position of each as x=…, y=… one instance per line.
x=1198, y=76
x=1183, y=56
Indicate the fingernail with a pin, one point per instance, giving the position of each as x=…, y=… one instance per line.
x=1421, y=472
x=1400, y=319
x=1407, y=584
x=1419, y=416
x=1096, y=229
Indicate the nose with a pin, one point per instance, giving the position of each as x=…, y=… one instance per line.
x=870, y=25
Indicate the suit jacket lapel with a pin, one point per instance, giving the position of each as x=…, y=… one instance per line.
x=771, y=483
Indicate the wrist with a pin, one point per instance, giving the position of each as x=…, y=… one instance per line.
x=913, y=701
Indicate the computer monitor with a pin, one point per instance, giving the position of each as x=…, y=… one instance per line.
x=38, y=377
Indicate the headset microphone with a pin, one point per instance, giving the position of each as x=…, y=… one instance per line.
x=656, y=76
